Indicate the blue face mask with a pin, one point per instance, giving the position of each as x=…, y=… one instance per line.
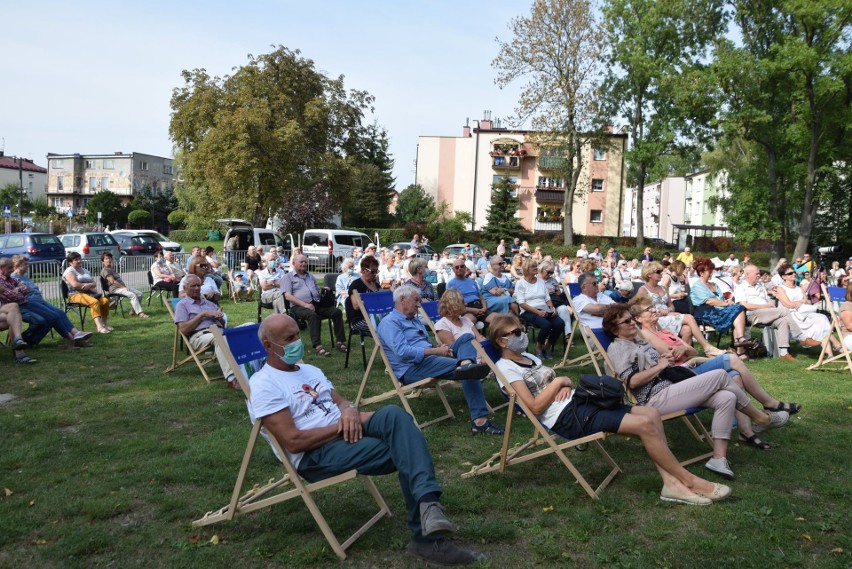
x=293, y=352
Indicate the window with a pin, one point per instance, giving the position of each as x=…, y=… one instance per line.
x=597, y=185
x=167, y=168
x=93, y=184
x=60, y=183
x=596, y=216
x=599, y=154
x=143, y=165
x=58, y=164
x=105, y=183
x=549, y=182
x=91, y=164
x=86, y=203
x=58, y=203
x=109, y=164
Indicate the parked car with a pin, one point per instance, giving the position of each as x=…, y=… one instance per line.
x=426, y=251
x=164, y=242
x=457, y=248
x=33, y=246
x=90, y=245
x=328, y=247
x=248, y=235
x=132, y=243
x=663, y=244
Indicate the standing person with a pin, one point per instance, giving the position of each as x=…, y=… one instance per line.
x=117, y=286
x=501, y=248
x=83, y=290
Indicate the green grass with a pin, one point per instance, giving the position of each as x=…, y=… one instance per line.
x=109, y=460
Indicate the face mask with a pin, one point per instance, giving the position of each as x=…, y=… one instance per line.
x=293, y=352
x=518, y=343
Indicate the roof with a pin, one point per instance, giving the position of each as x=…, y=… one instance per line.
x=28, y=165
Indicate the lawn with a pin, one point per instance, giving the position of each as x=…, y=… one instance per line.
x=105, y=461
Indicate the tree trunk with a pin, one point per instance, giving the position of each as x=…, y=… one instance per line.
x=638, y=136
x=573, y=171
x=775, y=204
x=806, y=222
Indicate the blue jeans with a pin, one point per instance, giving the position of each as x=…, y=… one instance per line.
x=392, y=442
x=41, y=317
x=443, y=367
x=550, y=328
x=722, y=362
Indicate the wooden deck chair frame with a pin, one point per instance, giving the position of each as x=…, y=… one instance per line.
x=542, y=437
x=290, y=485
x=836, y=332
x=689, y=416
x=590, y=357
x=403, y=392
x=200, y=359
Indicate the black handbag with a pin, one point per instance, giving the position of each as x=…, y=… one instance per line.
x=602, y=391
x=327, y=298
x=676, y=374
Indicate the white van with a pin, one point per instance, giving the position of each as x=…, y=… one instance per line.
x=327, y=248
x=248, y=235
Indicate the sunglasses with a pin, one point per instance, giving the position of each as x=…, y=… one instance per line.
x=501, y=263
x=630, y=320
x=791, y=273
x=516, y=332
x=201, y=266
x=660, y=272
x=458, y=266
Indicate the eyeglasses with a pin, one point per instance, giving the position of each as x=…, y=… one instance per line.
x=201, y=266
x=790, y=273
x=630, y=320
x=458, y=266
x=371, y=271
x=516, y=332
x=501, y=263
x=548, y=272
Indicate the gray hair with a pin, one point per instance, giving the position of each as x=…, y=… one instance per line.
x=5, y=261
x=347, y=263
x=546, y=266
x=583, y=278
x=415, y=264
x=404, y=291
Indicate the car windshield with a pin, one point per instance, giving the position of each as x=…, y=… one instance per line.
x=159, y=237
x=45, y=239
x=144, y=240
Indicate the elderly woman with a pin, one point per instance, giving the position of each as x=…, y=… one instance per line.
x=497, y=289
x=389, y=272
x=417, y=269
x=117, y=286
x=435, y=266
x=83, y=290
x=166, y=274
x=685, y=355
x=253, y=261
x=551, y=399
x=675, y=282
x=537, y=309
x=643, y=371
x=546, y=270
x=668, y=318
x=344, y=279
x=712, y=308
x=198, y=267
x=453, y=324
x=812, y=324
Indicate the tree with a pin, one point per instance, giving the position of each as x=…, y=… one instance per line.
x=111, y=207
x=415, y=206
x=657, y=79
x=10, y=195
x=139, y=217
x=373, y=183
x=177, y=218
x=158, y=203
x=261, y=140
x=41, y=208
x=558, y=49
x=501, y=222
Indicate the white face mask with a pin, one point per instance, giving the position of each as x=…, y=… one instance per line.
x=518, y=344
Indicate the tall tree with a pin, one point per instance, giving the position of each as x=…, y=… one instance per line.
x=158, y=204
x=657, y=79
x=415, y=206
x=11, y=195
x=110, y=205
x=373, y=185
x=558, y=50
x=501, y=222
x=260, y=140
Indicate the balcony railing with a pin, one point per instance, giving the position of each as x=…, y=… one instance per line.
x=547, y=226
x=506, y=162
x=552, y=163
x=549, y=196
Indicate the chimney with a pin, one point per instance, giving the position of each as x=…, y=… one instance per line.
x=466, y=131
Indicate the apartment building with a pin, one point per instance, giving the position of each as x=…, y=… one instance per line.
x=23, y=172
x=72, y=179
x=461, y=170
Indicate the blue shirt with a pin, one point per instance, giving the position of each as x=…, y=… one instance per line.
x=404, y=341
x=468, y=288
x=482, y=264
x=35, y=294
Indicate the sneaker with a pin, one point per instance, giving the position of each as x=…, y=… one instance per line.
x=776, y=419
x=687, y=498
x=720, y=492
x=433, y=521
x=471, y=371
x=720, y=466
x=480, y=325
x=487, y=428
x=443, y=552
x=82, y=336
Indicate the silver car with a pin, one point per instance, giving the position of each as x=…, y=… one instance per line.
x=90, y=245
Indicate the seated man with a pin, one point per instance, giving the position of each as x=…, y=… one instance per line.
x=752, y=294
x=413, y=357
x=325, y=435
x=473, y=299
x=482, y=264
x=302, y=292
x=590, y=304
x=166, y=273
x=198, y=267
x=270, y=279
x=10, y=319
x=194, y=315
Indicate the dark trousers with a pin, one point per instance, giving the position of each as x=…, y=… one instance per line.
x=549, y=328
x=314, y=319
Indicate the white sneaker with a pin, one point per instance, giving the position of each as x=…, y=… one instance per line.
x=480, y=325
x=776, y=419
x=720, y=466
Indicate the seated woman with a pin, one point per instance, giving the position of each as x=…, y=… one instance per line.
x=551, y=399
x=668, y=318
x=83, y=290
x=117, y=286
x=344, y=279
x=389, y=275
x=497, y=288
x=675, y=282
x=713, y=309
x=642, y=369
x=163, y=274
x=685, y=355
x=417, y=270
x=537, y=309
x=253, y=261
x=198, y=267
x=516, y=272
x=10, y=319
x=814, y=326
x=367, y=283
x=435, y=268
x=453, y=325
x=558, y=298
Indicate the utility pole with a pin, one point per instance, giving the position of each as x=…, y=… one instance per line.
x=21, y=192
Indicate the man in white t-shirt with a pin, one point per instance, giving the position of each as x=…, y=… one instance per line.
x=324, y=435
x=582, y=252
x=590, y=304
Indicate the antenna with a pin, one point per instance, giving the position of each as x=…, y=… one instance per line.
x=486, y=115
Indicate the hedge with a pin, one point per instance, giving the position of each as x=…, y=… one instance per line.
x=188, y=235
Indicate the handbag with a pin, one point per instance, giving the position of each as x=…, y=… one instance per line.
x=676, y=374
x=326, y=299
x=602, y=391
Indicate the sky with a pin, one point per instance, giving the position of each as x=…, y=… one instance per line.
x=94, y=77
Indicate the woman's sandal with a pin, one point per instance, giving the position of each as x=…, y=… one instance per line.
x=791, y=408
x=142, y=315
x=322, y=352
x=755, y=442
x=342, y=347
x=743, y=342
x=24, y=359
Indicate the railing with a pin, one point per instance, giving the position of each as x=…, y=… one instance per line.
x=550, y=195
x=547, y=226
x=552, y=163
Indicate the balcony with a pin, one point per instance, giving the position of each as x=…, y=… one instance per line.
x=552, y=163
x=547, y=226
x=506, y=162
x=549, y=196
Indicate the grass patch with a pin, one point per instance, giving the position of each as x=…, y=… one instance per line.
x=109, y=460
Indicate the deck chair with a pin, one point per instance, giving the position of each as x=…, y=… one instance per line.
x=374, y=306
x=600, y=342
x=590, y=356
x=232, y=291
x=246, y=354
x=201, y=359
x=834, y=294
x=542, y=437
x=69, y=305
x=116, y=301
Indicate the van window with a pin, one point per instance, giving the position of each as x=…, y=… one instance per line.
x=314, y=239
x=266, y=238
x=348, y=240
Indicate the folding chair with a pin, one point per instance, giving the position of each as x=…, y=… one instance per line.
x=571, y=291
x=115, y=300
x=834, y=294
x=600, y=342
x=542, y=436
x=181, y=338
x=373, y=307
x=68, y=305
x=151, y=290
x=233, y=293
x=246, y=354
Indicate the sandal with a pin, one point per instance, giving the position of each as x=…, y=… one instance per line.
x=755, y=442
x=24, y=359
x=791, y=408
x=322, y=352
x=743, y=342
x=19, y=344
x=142, y=315
x=342, y=347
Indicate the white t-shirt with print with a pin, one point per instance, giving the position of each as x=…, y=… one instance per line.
x=536, y=379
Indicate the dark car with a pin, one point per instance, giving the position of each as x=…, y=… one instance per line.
x=33, y=246
x=134, y=244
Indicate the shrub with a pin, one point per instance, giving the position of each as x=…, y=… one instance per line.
x=184, y=235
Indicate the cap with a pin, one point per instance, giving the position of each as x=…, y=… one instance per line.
x=717, y=262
